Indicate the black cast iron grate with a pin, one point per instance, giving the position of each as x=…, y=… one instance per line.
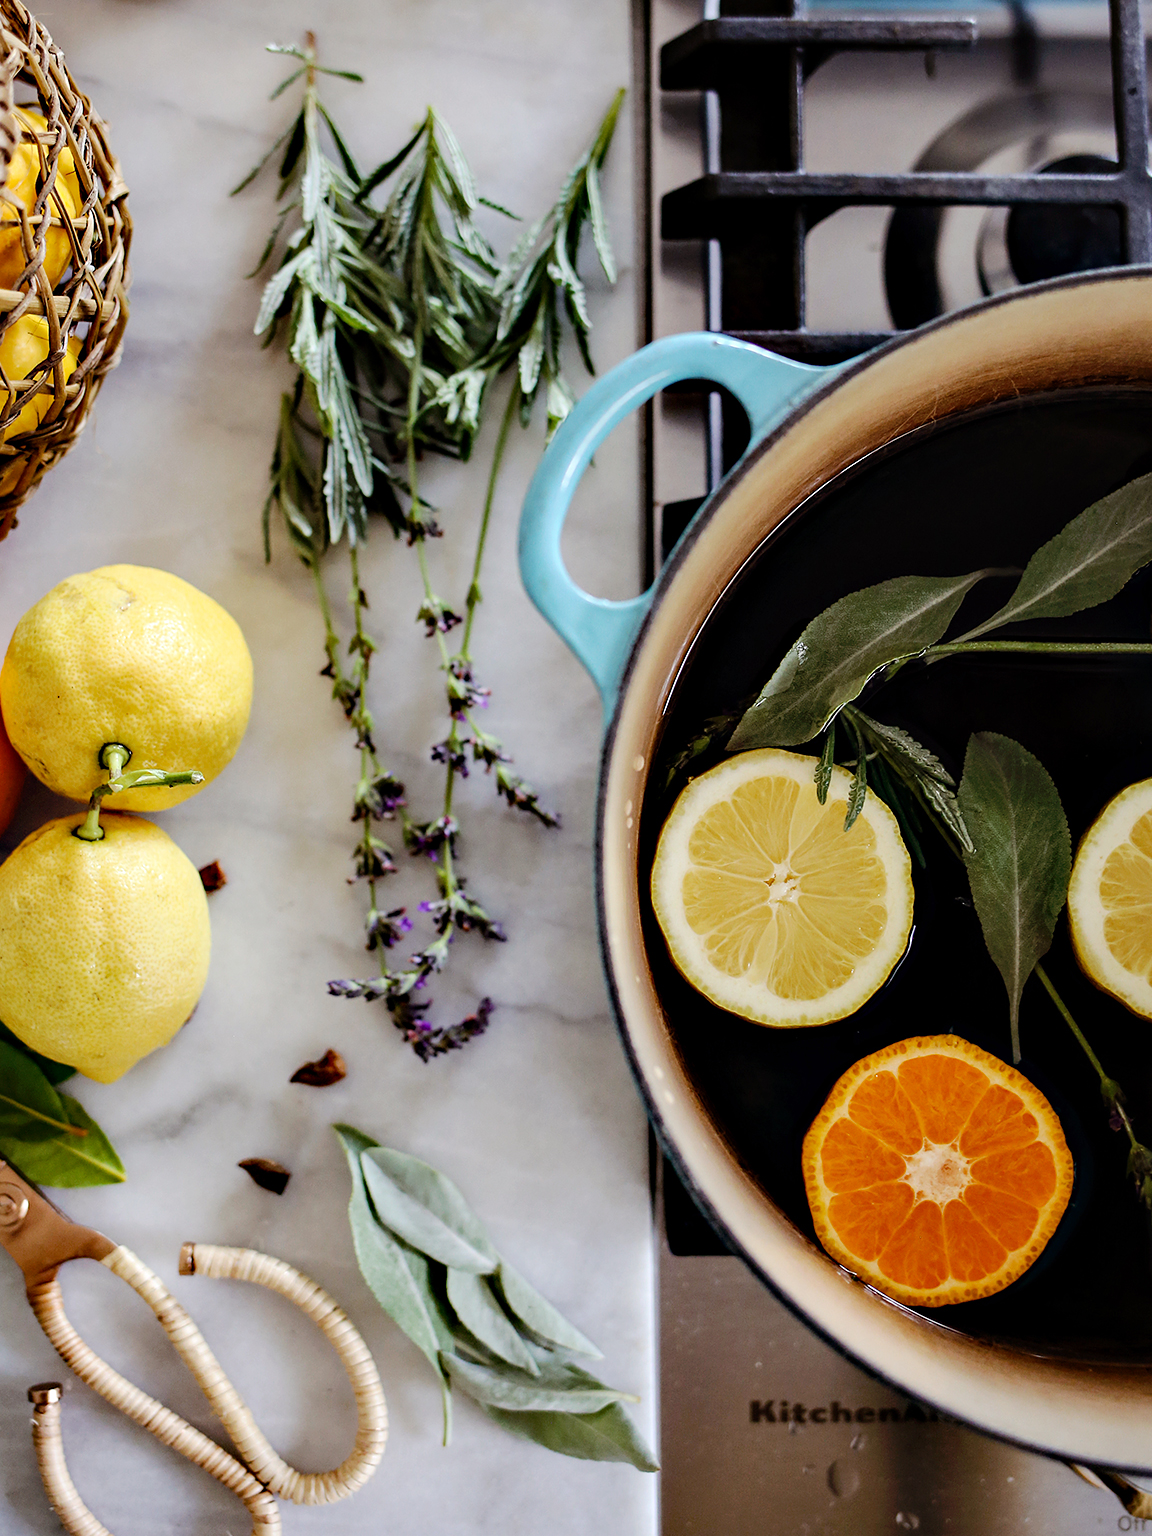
x=756, y=203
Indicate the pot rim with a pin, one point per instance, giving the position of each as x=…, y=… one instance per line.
x=1065, y=1408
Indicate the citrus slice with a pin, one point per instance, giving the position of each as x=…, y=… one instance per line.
x=768, y=906
x=936, y=1172
x=1110, y=899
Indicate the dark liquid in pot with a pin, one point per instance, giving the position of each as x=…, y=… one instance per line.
x=984, y=489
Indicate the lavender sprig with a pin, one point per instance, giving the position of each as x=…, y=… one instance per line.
x=399, y=319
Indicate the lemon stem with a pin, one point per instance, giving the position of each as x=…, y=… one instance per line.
x=113, y=756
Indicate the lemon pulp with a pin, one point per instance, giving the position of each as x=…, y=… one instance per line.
x=768, y=906
x=1110, y=899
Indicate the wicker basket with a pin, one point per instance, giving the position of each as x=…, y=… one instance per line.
x=64, y=237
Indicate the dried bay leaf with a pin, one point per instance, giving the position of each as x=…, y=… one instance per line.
x=842, y=649
x=427, y=1210
x=540, y=1316
x=609, y=1435
x=557, y=1388
x=475, y=1305
x=401, y=1289
x=1021, y=858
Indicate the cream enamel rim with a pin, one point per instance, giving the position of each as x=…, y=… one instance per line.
x=1112, y=827
x=1094, y=329
x=688, y=950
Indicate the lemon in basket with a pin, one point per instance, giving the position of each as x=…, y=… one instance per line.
x=1110, y=899
x=768, y=906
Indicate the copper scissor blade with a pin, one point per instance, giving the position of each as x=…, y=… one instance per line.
x=37, y=1235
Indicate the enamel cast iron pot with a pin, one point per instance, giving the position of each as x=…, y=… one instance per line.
x=962, y=445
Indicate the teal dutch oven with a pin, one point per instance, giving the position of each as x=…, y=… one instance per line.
x=992, y=425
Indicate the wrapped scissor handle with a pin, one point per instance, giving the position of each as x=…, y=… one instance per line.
x=261, y=1472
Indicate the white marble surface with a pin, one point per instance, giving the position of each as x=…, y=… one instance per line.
x=537, y=1122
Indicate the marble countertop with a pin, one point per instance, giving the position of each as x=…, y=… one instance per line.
x=538, y=1121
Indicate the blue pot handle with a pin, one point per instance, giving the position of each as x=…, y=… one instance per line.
x=599, y=630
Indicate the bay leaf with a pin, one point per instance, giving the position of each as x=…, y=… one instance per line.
x=472, y=1300
x=608, y=1435
x=404, y=1198
x=1087, y=562
x=399, y=1288
x=1020, y=861
x=54, y=1071
x=50, y=1137
x=557, y=1388
x=842, y=648
x=539, y=1315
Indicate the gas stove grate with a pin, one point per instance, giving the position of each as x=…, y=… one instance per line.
x=756, y=203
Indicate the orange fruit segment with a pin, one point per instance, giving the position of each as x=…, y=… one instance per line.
x=767, y=905
x=936, y=1172
x=1110, y=899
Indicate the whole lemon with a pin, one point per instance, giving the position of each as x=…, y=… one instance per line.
x=131, y=655
x=103, y=946
x=22, y=185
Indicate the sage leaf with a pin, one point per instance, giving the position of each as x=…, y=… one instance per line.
x=1088, y=561
x=50, y=1137
x=426, y=1210
x=845, y=646
x=1021, y=858
x=609, y=1435
x=540, y=1316
x=921, y=770
x=54, y=1071
x=396, y=1285
x=472, y=1300
x=558, y=1388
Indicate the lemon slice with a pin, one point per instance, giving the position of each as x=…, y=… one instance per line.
x=768, y=906
x=1110, y=899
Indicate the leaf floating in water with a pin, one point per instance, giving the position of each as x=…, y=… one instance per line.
x=1021, y=859
x=1087, y=562
x=845, y=646
x=330, y=1068
x=268, y=1174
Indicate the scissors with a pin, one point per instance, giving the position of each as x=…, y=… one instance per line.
x=41, y=1238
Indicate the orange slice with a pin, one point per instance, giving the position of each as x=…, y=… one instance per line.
x=936, y=1172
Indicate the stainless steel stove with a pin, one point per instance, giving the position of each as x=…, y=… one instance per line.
x=764, y=1427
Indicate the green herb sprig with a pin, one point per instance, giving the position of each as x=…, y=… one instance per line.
x=1005, y=819
x=399, y=319
x=481, y=1326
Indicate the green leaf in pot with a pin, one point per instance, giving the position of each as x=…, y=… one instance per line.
x=1022, y=856
x=1087, y=562
x=843, y=648
x=48, y=1135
